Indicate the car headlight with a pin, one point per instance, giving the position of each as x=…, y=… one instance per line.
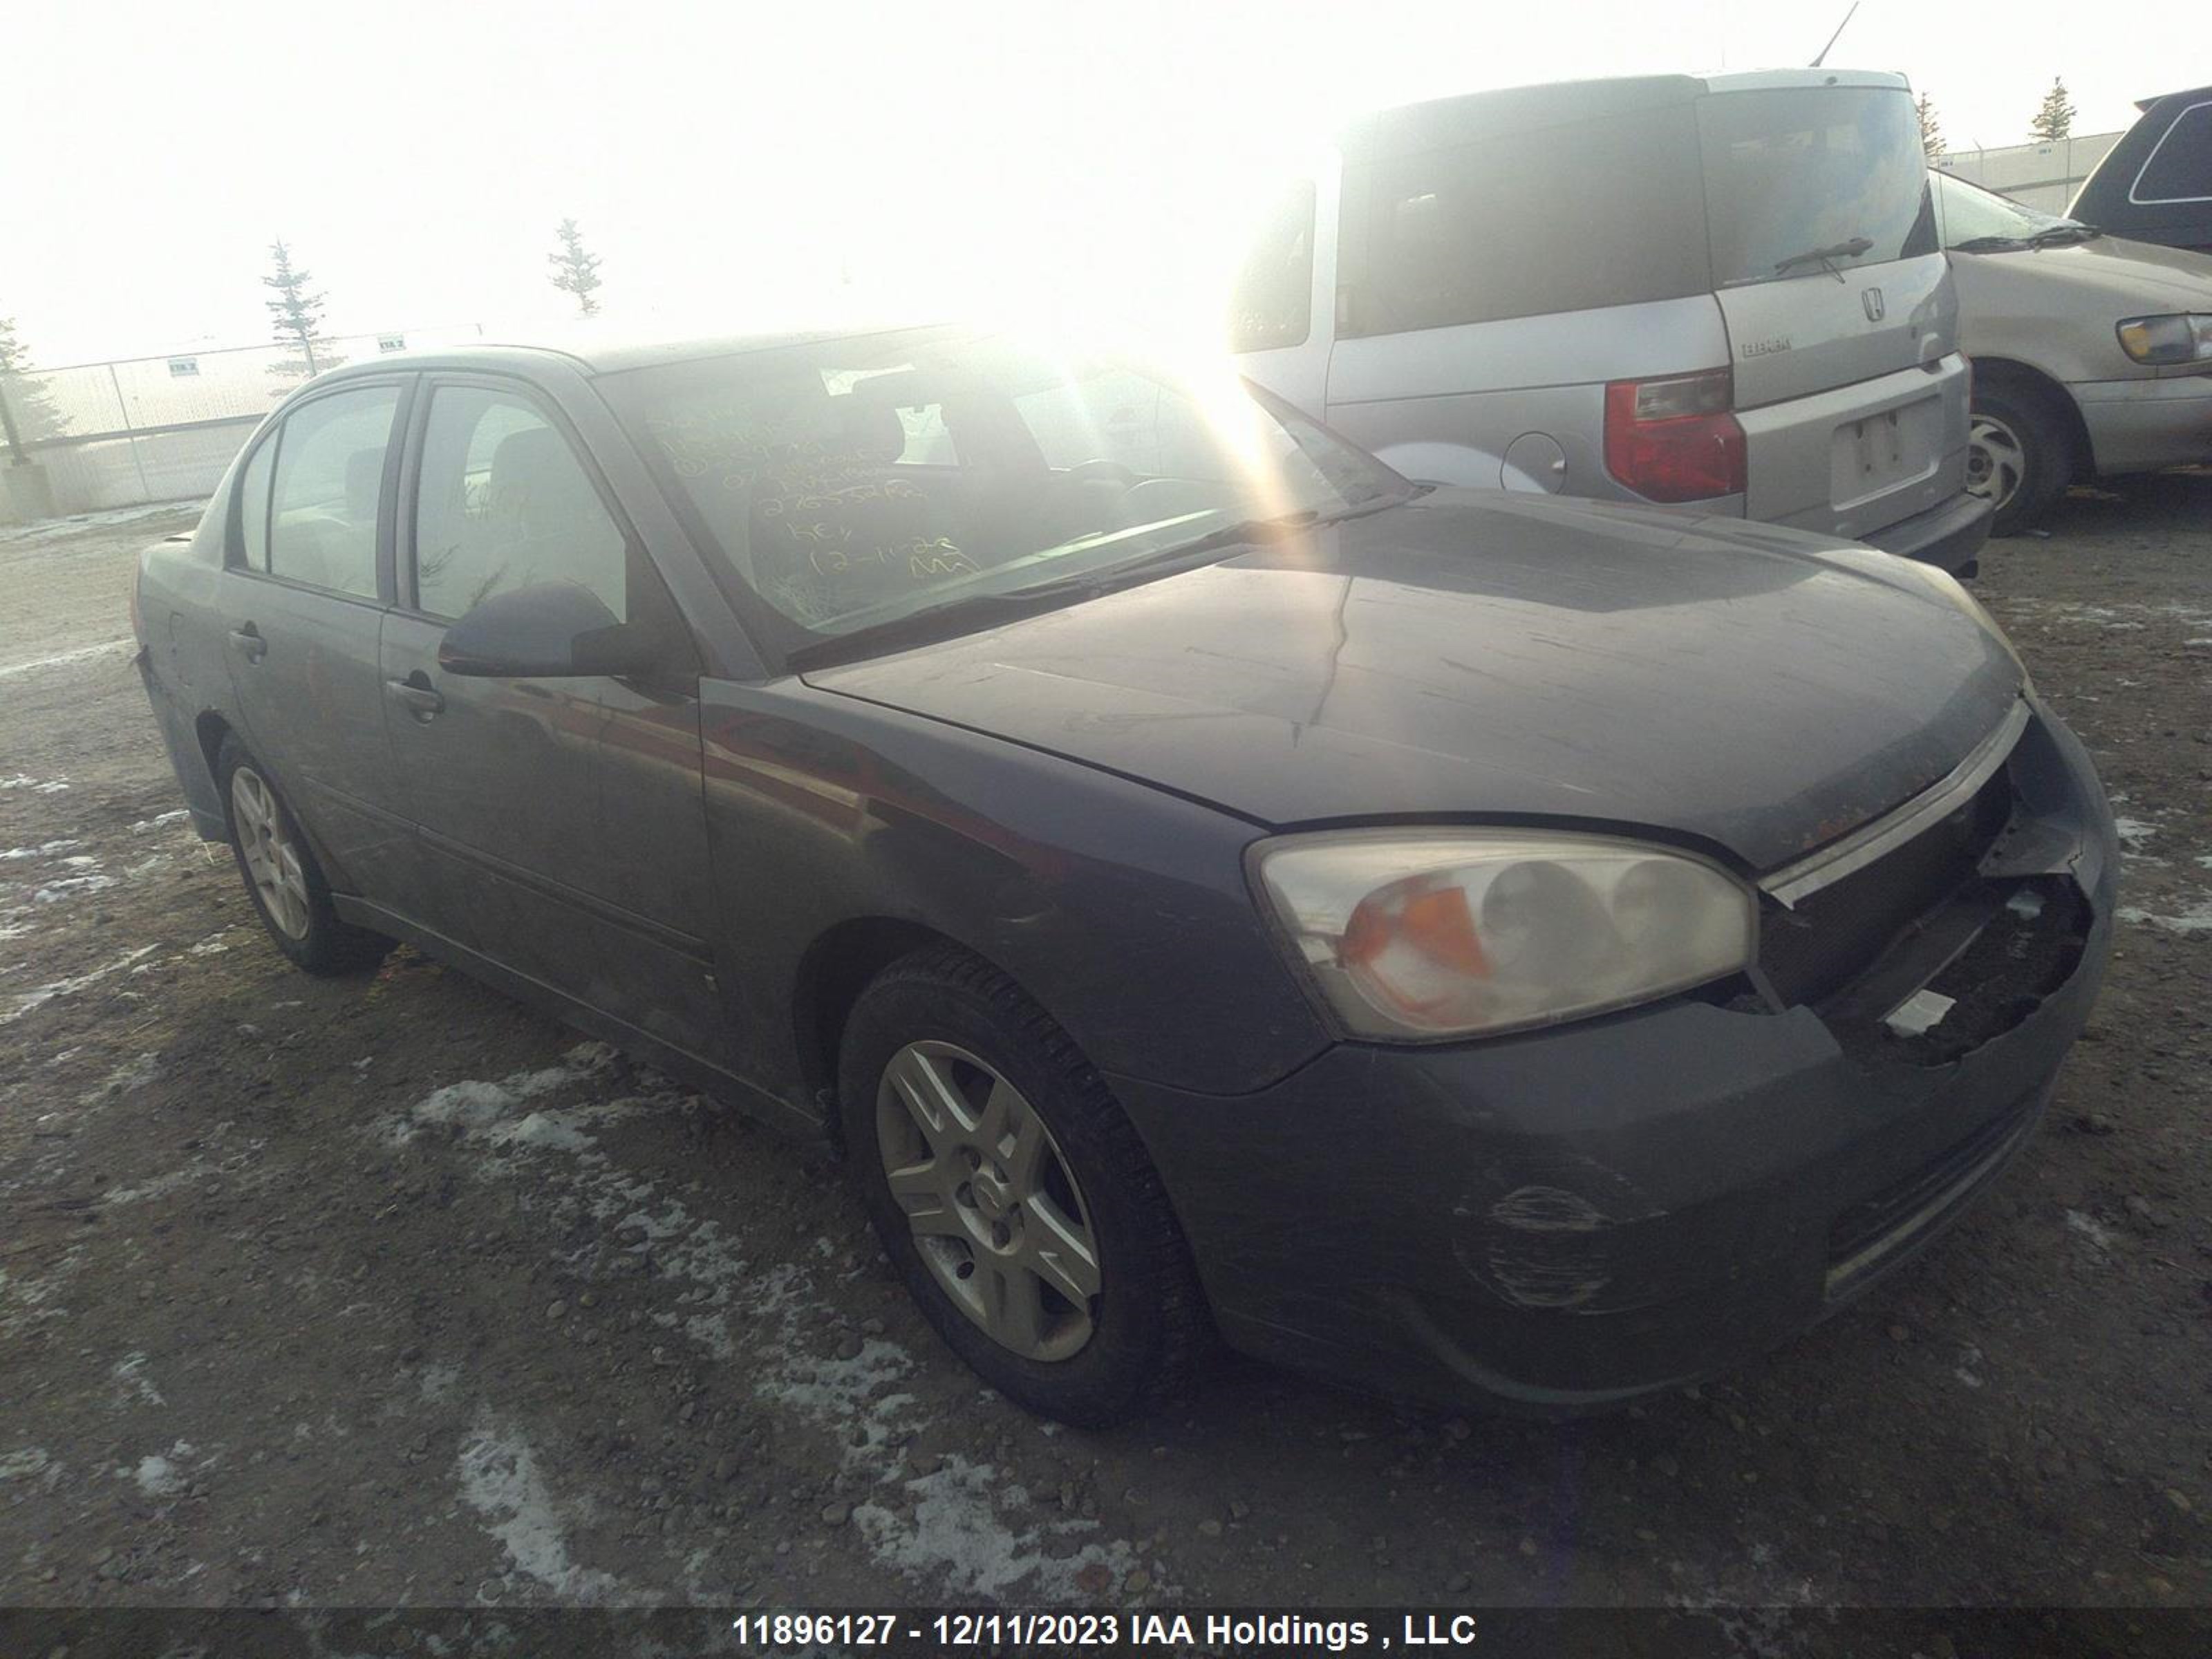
x=1419, y=934
x=2184, y=337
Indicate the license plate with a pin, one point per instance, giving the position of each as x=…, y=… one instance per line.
x=1882, y=451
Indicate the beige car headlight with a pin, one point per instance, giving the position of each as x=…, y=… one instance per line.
x=2182, y=338
x=1416, y=934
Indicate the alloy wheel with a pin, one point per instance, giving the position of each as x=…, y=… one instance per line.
x=271, y=858
x=994, y=1206
x=1996, y=461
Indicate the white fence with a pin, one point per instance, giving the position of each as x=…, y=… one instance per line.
x=2040, y=175
x=160, y=428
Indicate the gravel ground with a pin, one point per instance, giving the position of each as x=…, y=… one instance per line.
x=390, y=1291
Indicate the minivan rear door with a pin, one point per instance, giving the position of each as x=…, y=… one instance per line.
x=1830, y=276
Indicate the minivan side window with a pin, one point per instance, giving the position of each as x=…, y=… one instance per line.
x=329, y=478
x=503, y=503
x=1270, y=304
x=2180, y=167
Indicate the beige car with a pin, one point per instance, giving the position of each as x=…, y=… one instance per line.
x=2092, y=354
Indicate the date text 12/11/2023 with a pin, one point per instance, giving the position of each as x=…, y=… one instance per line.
x=1001, y=1629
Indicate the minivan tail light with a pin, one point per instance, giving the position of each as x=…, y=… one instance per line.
x=1675, y=439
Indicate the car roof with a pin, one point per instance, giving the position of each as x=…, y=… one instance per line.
x=2147, y=104
x=609, y=351
x=1468, y=116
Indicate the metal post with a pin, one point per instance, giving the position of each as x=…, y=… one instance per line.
x=145, y=489
x=15, y=456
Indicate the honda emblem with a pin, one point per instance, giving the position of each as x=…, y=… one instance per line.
x=1871, y=299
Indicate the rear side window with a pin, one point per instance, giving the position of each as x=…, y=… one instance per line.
x=253, y=506
x=1605, y=212
x=1794, y=170
x=329, y=478
x=2181, y=168
x=1271, y=303
x=503, y=503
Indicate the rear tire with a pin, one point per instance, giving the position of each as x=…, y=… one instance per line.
x=2020, y=455
x=1028, y=1222
x=283, y=879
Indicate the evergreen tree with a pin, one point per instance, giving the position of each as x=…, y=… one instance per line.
x=298, y=314
x=2055, y=120
x=575, y=268
x=1931, y=130
x=30, y=405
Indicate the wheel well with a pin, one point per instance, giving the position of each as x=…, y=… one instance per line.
x=211, y=729
x=835, y=970
x=2027, y=382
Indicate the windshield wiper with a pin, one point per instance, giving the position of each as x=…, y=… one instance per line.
x=1826, y=258
x=974, y=610
x=2060, y=235
x=923, y=627
x=1243, y=533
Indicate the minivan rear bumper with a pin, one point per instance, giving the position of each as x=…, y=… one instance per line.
x=1948, y=537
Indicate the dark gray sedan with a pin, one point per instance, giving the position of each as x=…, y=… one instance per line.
x=1474, y=945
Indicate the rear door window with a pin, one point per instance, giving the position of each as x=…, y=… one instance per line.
x=1796, y=169
x=329, y=480
x=1603, y=212
x=2181, y=168
x=503, y=503
x=252, y=541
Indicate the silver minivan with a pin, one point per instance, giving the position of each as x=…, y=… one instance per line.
x=1724, y=292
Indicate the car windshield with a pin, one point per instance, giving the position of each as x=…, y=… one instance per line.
x=848, y=484
x=1797, y=177
x=1969, y=214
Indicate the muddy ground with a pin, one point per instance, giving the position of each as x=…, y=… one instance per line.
x=389, y=1291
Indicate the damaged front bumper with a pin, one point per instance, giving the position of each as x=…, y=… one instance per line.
x=1564, y=1220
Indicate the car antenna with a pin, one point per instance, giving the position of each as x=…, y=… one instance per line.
x=1832, y=38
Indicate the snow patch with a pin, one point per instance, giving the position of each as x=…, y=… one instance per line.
x=49, y=787
x=2078, y=1221
x=500, y=1478
x=2134, y=833
x=2197, y=918
x=52, y=849
x=24, y=1464
x=958, y=1539
x=131, y=1386
x=60, y=657
x=161, y=1476
x=61, y=988
x=475, y=1108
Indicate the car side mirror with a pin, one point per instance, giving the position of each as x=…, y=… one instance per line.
x=556, y=630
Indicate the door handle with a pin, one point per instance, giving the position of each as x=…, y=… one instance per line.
x=250, y=646
x=420, y=696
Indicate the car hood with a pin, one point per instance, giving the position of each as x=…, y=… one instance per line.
x=1475, y=655
x=2135, y=278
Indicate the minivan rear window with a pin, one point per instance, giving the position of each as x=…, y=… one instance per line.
x=1602, y=212
x=1795, y=170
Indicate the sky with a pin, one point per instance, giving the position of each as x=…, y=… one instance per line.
x=733, y=165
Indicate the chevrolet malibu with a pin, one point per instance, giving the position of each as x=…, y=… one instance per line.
x=1499, y=948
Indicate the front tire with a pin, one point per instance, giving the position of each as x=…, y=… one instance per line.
x=283, y=878
x=1014, y=1197
x=2019, y=454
